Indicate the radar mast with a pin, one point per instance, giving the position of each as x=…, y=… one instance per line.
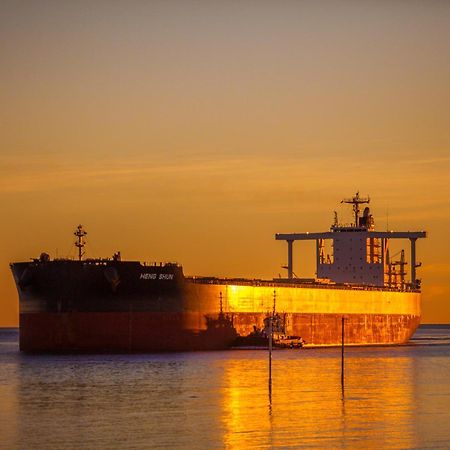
x=356, y=201
x=80, y=243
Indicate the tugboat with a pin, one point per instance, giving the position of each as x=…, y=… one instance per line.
x=259, y=337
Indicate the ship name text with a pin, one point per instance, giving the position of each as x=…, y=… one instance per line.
x=155, y=276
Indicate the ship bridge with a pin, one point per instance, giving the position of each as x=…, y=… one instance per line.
x=360, y=255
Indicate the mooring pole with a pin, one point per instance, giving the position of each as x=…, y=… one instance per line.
x=342, y=353
x=271, y=318
x=270, y=353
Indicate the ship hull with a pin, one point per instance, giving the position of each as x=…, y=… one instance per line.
x=133, y=332
x=115, y=332
x=166, y=332
x=72, y=306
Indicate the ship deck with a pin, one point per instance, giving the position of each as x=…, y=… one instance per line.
x=294, y=283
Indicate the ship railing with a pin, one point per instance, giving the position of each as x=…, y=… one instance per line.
x=159, y=264
x=267, y=283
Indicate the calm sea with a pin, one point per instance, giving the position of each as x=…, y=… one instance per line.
x=394, y=397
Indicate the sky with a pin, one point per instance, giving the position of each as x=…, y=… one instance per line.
x=193, y=131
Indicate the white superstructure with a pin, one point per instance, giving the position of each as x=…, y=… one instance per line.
x=357, y=254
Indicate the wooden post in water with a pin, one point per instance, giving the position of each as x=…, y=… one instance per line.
x=270, y=352
x=342, y=353
x=271, y=317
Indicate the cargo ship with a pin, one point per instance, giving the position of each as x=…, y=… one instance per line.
x=112, y=305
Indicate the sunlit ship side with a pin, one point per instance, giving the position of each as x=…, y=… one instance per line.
x=110, y=305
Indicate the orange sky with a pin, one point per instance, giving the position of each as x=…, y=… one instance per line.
x=194, y=131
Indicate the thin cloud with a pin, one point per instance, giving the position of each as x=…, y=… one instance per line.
x=420, y=162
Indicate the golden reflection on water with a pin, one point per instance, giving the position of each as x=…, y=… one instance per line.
x=307, y=407
x=394, y=397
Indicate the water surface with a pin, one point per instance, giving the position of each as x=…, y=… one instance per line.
x=394, y=397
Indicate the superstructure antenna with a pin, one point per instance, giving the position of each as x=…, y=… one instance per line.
x=356, y=201
x=80, y=243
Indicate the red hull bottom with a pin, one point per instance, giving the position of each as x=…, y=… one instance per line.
x=156, y=332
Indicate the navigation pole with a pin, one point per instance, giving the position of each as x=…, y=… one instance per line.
x=356, y=201
x=80, y=243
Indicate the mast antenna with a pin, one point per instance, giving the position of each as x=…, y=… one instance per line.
x=356, y=201
x=80, y=242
